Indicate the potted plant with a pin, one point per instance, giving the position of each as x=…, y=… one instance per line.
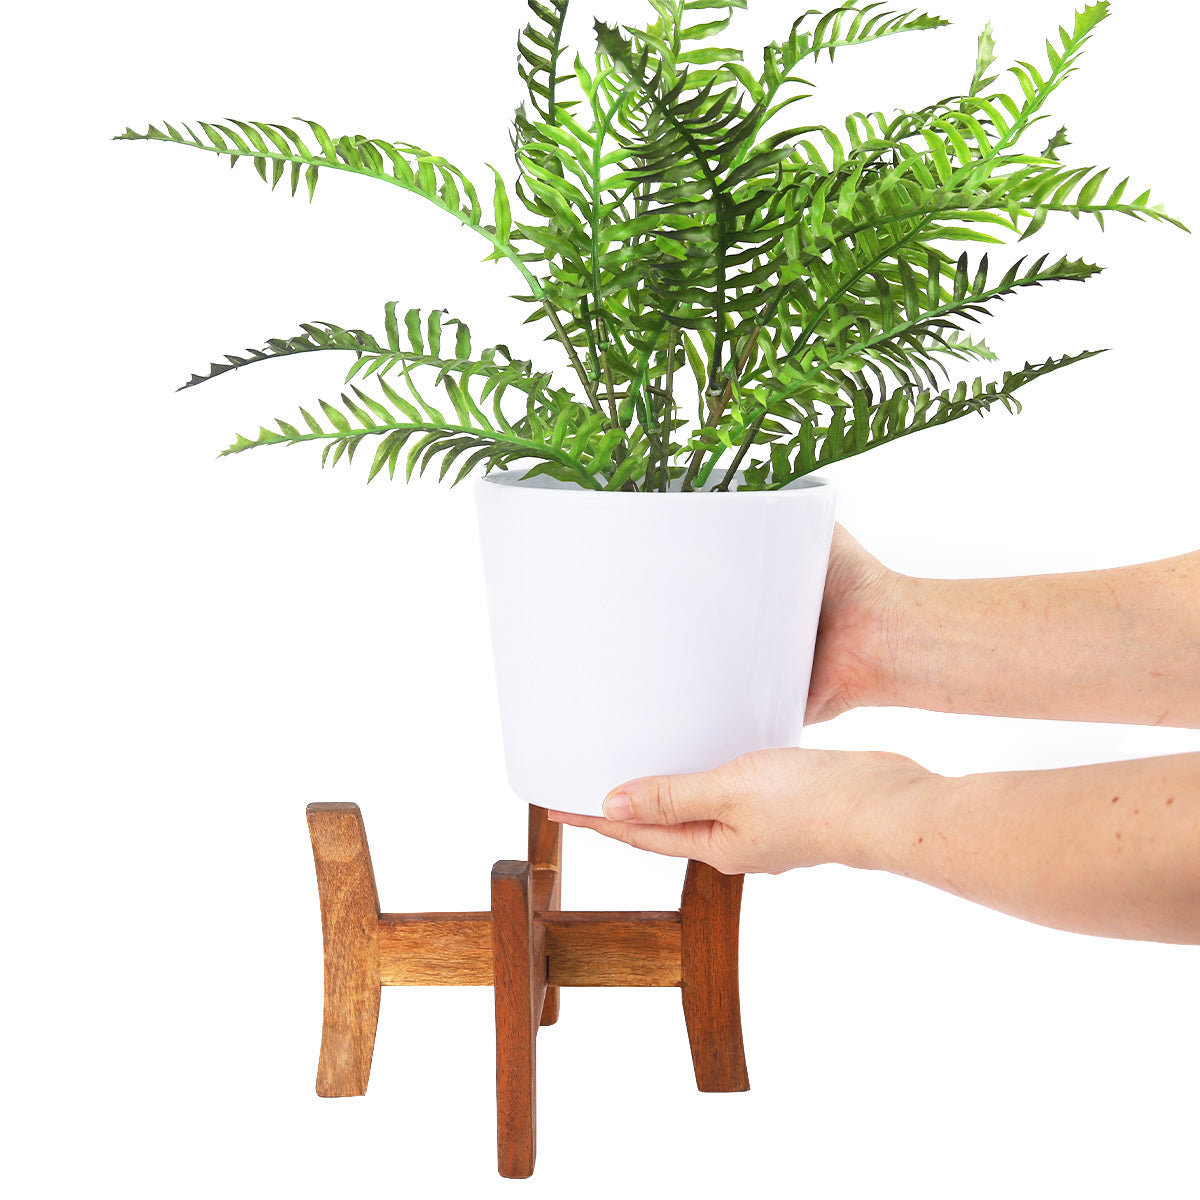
x=740, y=302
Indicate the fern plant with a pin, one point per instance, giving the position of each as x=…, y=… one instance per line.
x=738, y=302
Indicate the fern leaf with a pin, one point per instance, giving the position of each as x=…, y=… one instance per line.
x=882, y=416
x=985, y=56
x=538, y=48
x=321, y=335
x=848, y=25
x=341, y=437
x=398, y=163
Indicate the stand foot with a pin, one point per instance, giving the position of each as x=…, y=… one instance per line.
x=710, y=911
x=349, y=926
x=519, y=983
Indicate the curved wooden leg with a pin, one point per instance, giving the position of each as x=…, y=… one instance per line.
x=349, y=925
x=709, y=915
x=519, y=983
x=545, y=856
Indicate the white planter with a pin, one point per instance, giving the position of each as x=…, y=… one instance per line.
x=647, y=633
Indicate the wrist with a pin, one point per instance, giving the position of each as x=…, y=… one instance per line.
x=892, y=652
x=889, y=826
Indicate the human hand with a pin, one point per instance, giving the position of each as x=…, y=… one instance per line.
x=768, y=811
x=854, y=650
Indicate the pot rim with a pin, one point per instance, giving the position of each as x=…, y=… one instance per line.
x=546, y=483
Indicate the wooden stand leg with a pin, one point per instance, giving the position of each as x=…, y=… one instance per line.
x=519, y=982
x=349, y=925
x=709, y=913
x=545, y=857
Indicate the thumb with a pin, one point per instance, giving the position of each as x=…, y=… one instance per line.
x=666, y=799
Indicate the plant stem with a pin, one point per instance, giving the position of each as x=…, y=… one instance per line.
x=747, y=441
x=608, y=383
x=592, y=341
x=719, y=310
x=589, y=391
x=716, y=408
x=668, y=414
x=628, y=485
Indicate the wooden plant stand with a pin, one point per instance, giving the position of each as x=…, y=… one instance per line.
x=525, y=948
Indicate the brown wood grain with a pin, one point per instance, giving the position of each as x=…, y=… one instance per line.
x=584, y=949
x=519, y=988
x=613, y=949
x=709, y=915
x=349, y=915
x=435, y=948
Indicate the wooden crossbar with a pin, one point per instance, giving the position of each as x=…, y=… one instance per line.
x=585, y=949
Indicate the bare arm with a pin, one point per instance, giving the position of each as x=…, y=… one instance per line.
x=1111, y=849
x=1120, y=645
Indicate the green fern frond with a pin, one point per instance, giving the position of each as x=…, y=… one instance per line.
x=816, y=33
x=276, y=150
x=984, y=57
x=671, y=44
x=565, y=438
x=538, y=48
x=894, y=322
x=1014, y=116
x=701, y=219
x=869, y=417
x=320, y=335
x=576, y=456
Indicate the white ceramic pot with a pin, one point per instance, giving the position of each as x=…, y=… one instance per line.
x=647, y=633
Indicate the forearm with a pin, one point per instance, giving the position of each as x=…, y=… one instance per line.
x=1120, y=645
x=1111, y=849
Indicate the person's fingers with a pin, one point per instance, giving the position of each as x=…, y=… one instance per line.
x=669, y=799
x=691, y=840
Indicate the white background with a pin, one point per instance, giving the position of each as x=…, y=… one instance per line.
x=197, y=648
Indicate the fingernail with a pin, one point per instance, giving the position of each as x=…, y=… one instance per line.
x=617, y=807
